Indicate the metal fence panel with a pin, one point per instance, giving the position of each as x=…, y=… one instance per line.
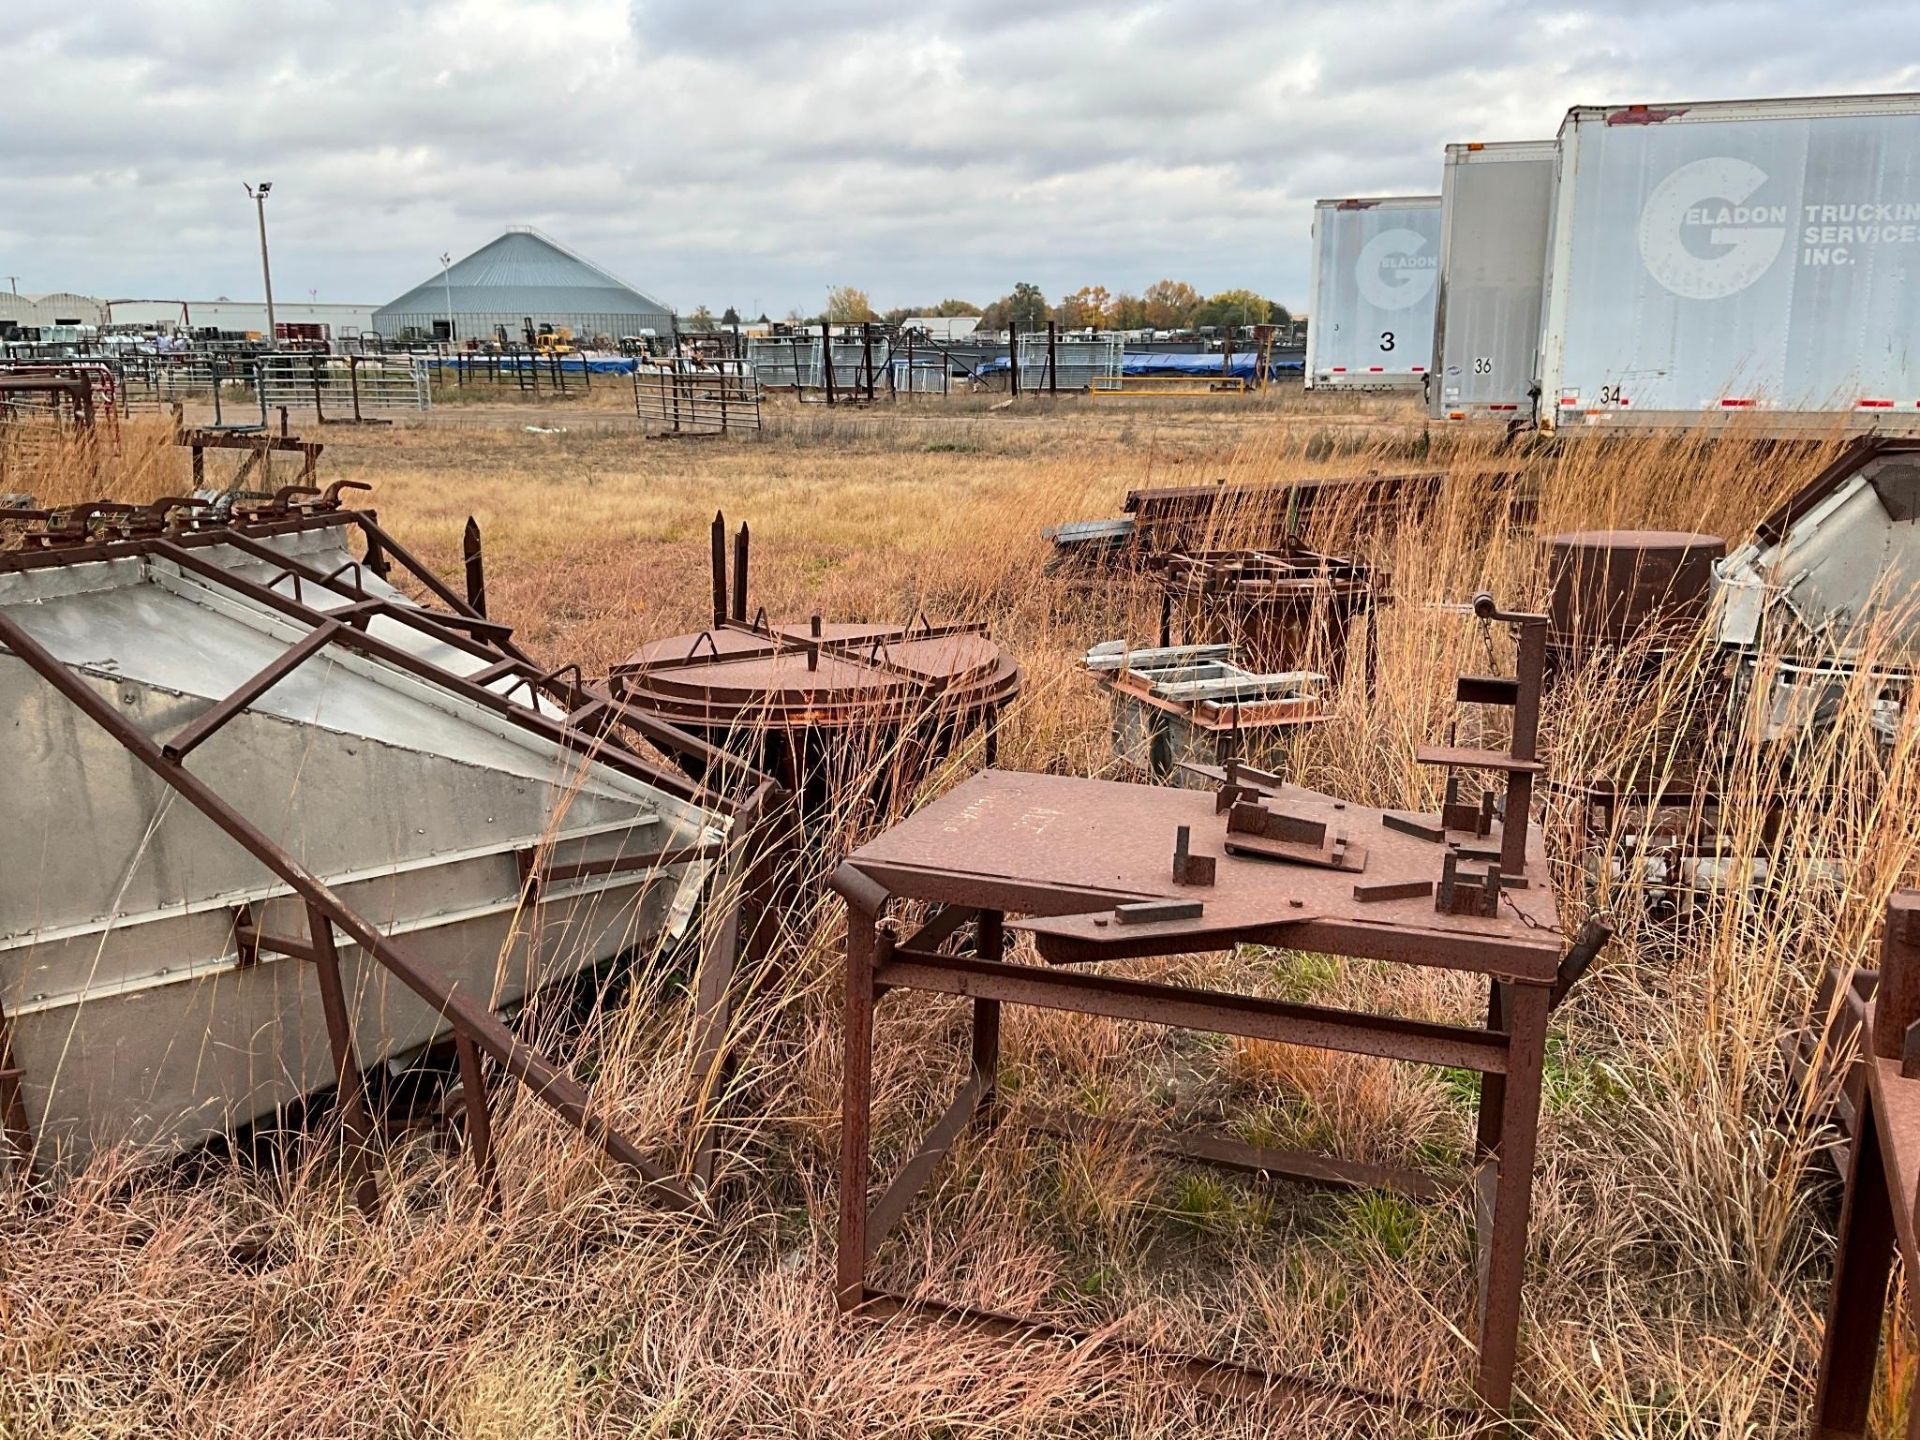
x=344, y=386
x=685, y=398
x=1077, y=362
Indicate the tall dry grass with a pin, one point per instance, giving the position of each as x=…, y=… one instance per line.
x=1682, y=1211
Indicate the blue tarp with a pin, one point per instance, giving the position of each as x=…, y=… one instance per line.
x=1244, y=365
x=573, y=364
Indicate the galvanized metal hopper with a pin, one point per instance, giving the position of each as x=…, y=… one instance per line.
x=271, y=821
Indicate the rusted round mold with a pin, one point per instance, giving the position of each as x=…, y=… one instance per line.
x=819, y=707
x=1618, y=587
x=848, y=676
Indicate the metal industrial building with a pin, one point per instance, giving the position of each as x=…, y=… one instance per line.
x=61, y=307
x=522, y=276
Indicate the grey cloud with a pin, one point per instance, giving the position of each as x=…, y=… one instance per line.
x=752, y=152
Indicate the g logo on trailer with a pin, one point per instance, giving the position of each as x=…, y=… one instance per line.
x=1392, y=272
x=1710, y=195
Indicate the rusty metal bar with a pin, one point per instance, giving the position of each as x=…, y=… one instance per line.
x=356, y=1121
x=476, y=566
x=1504, y=1242
x=866, y=945
x=548, y=1083
x=940, y=928
x=205, y=725
x=617, y=756
x=1214, y=1377
x=885, y=1212
x=1226, y=1153
x=473, y=1094
x=1897, y=1001
x=1149, y=1002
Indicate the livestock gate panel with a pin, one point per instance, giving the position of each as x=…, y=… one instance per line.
x=340, y=387
x=714, y=398
x=1079, y=363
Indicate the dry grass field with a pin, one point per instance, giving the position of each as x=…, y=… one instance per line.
x=1683, y=1208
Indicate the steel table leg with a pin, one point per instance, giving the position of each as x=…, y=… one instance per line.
x=856, y=1105
x=1862, y=1267
x=1504, y=1240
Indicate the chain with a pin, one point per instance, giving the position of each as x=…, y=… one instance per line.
x=1519, y=914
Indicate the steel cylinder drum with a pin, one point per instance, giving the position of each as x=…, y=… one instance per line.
x=1611, y=588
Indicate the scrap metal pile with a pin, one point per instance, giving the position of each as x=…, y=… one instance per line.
x=286, y=822
x=298, y=811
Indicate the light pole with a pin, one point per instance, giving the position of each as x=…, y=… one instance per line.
x=446, y=279
x=259, y=198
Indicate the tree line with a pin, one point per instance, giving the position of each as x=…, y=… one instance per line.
x=1163, y=305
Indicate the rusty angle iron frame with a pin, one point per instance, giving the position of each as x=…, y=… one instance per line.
x=1880, y=1215
x=1077, y=858
x=167, y=531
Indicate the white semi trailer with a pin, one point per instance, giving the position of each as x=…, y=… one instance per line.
x=1496, y=215
x=1736, y=257
x=1370, y=300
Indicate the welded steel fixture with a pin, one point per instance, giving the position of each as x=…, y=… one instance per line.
x=1176, y=705
x=1883, y=1186
x=1099, y=871
x=830, y=708
x=1284, y=609
x=274, y=821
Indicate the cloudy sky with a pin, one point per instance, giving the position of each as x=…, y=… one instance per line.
x=755, y=152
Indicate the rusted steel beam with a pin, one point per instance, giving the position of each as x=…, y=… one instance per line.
x=1505, y=1245
x=940, y=928
x=884, y=1213
x=1149, y=1002
x=1214, y=1377
x=1224, y=1152
x=866, y=945
x=476, y=566
x=473, y=1094
x=356, y=1121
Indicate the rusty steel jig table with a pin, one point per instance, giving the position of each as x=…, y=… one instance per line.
x=1085, y=866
